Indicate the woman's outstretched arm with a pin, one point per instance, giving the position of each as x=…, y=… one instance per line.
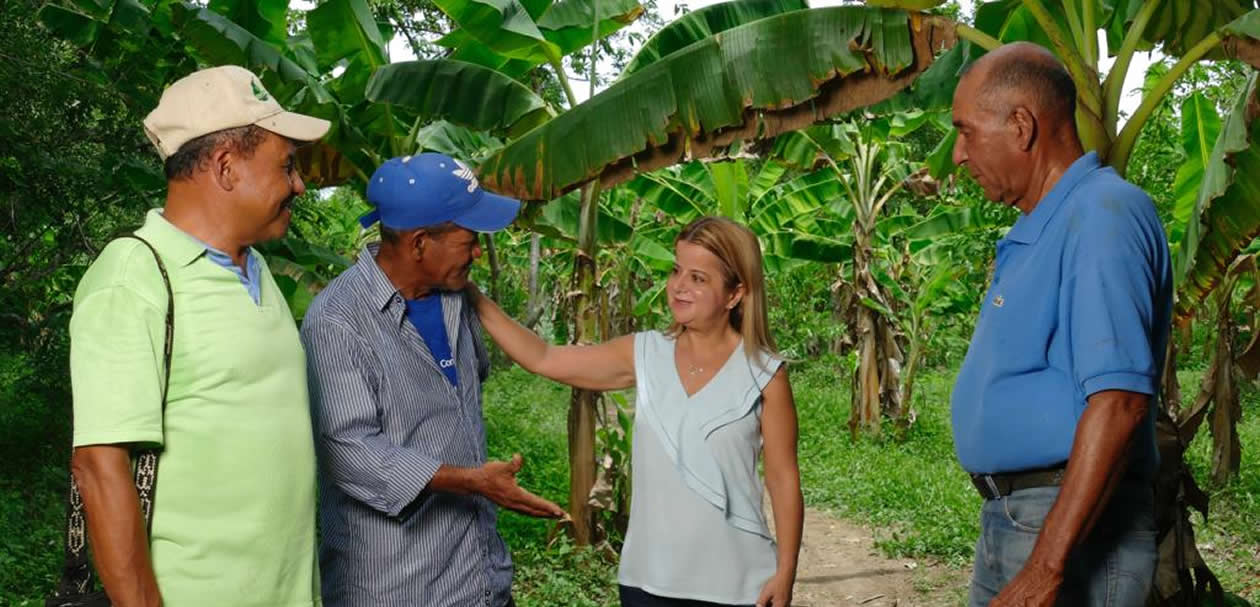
x=783, y=480
x=606, y=366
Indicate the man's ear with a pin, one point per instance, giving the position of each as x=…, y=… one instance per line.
x=222, y=168
x=417, y=242
x=1025, y=123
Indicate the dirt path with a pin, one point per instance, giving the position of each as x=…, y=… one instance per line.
x=840, y=567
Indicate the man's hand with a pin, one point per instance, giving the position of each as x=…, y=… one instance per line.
x=777, y=592
x=120, y=546
x=498, y=484
x=1036, y=585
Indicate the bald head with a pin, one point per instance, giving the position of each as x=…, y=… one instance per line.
x=1023, y=73
x=1015, y=113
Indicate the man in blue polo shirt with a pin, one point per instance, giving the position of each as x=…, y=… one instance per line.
x=396, y=362
x=1053, y=408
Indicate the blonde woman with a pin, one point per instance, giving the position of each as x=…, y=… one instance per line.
x=712, y=393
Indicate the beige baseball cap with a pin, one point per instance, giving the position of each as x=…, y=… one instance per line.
x=219, y=98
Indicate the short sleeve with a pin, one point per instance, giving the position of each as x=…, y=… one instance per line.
x=1112, y=299
x=116, y=367
x=764, y=365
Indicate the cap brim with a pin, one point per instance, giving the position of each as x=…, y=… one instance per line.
x=298, y=127
x=491, y=213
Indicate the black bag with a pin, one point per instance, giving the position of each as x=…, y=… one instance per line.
x=77, y=588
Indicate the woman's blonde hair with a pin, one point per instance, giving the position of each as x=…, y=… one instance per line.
x=737, y=249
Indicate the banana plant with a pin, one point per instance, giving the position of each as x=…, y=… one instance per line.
x=872, y=167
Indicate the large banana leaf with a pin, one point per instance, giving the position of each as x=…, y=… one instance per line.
x=560, y=219
x=567, y=23
x=456, y=141
x=466, y=48
x=532, y=32
x=751, y=82
x=503, y=25
x=346, y=29
x=217, y=40
x=1200, y=126
x=703, y=23
x=266, y=19
x=463, y=93
x=1228, y=217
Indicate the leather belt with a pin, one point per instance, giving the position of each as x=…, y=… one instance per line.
x=993, y=486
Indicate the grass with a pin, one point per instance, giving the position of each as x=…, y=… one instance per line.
x=1230, y=541
x=912, y=494
x=529, y=415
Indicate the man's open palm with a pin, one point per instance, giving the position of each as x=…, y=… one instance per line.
x=501, y=488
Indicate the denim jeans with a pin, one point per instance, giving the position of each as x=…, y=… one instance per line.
x=1113, y=567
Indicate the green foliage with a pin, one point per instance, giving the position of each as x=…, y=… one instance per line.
x=1230, y=539
x=700, y=89
x=927, y=508
x=703, y=23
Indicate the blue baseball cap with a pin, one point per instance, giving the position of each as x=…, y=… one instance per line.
x=429, y=189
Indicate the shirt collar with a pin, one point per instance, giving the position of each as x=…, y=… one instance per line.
x=380, y=291
x=1028, y=228
x=178, y=246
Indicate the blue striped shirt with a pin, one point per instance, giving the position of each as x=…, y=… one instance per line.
x=386, y=419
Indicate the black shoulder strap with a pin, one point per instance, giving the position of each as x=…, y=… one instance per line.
x=77, y=574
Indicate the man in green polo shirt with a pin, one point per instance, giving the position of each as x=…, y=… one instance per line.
x=233, y=513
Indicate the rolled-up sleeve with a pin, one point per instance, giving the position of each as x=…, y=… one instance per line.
x=357, y=455
x=1113, y=304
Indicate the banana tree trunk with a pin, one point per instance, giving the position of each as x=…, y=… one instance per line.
x=1226, y=409
x=911, y=371
x=582, y=403
x=876, y=385
x=866, y=385
x=869, y=377
x=534, y=306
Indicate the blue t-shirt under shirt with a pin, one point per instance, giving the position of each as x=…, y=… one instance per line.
x=425, y=315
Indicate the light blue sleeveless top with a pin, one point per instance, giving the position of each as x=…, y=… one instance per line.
x=697, y=530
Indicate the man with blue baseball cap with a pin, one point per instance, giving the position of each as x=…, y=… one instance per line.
x=395, y=366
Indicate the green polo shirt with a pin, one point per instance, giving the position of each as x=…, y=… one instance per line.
x=234, y=510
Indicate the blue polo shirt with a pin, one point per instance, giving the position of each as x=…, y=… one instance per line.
x=1080, y=302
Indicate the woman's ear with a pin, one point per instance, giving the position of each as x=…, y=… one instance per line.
x=737, y=296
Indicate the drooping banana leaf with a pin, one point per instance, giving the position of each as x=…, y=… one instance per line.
x=703, y=23
x=751, y=82
x=1226, y=217
x=217, y=40
x=464, y=93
